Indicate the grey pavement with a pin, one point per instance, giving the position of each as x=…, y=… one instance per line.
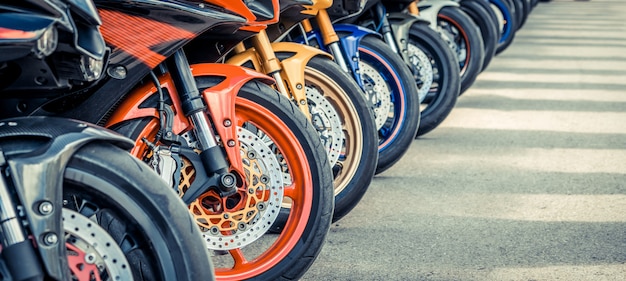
x=525, y=180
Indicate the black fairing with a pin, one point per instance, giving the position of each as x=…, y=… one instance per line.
x=290, y=15
x=208, y=25
x=37, y=174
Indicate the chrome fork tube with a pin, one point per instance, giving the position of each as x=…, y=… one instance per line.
x=204, y=134
x=193, y=106
x=386, y=27
x=10, y=226
x=280, y=83
x=335, y=50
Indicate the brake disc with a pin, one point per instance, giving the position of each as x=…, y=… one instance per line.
x=377, y=92
x=238, y=220
x=91, y=251
x=327, y=122
x=422, y=70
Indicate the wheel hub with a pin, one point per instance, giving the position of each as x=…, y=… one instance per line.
x=238, y=220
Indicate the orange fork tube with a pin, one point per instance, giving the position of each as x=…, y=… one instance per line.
x=306, y=25
x=269, y=61
x=220, y=100
x=413, y=10
x=326, y=27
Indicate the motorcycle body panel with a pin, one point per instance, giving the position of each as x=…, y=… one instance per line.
x=349, y=36
x=220, y=100
x=38, y=176
x=292, y=67
x=429, y=10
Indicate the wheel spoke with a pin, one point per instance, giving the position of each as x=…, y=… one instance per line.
x=290, y=191
x=239, y=259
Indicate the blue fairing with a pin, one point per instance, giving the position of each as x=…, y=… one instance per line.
x=349, y=36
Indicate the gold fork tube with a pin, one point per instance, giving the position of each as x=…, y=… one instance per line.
x=326, y=27
x=413, y=10
x=271, y=65
x=306, y=25
x=263, y=47
x=239, y=48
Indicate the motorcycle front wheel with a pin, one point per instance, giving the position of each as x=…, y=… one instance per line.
x=486, y=20
x=467, y=43
x=427, y=50
x=388, y=84
x=357, y=162
x=121, y=221
x=284, y=161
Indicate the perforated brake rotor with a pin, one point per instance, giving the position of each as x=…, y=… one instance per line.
x=92, y=252
x=453, y=37
x=377, y=92
x=422, y=70
x=236, y=221
x=327, y=123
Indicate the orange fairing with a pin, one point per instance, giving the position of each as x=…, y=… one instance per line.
x=117, y=28
x=240, y=8
x=235, y=6
x=7, y=33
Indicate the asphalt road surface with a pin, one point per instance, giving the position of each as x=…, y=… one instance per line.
x=525, y=180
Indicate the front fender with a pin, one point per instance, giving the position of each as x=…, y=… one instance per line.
x=293, y=66
x=350, y=37
x=38, y=176
x=401, y=25
x=429, y=9
x=220, y=100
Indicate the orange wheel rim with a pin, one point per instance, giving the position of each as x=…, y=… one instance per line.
x=300, y=192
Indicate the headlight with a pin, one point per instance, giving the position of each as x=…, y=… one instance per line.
x=47, y=43
x=91, y=68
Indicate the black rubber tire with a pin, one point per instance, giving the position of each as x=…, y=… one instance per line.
x=467, y=38
x=506, y=7
x=400, y=128
x=442, y=96
x=486, y=21
x=518, y=10
x=304, y=251
x=527, y=7
x=352, y=192
x=126, y=198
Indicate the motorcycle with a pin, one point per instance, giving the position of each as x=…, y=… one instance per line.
x=219, y=134
x=333, y=102
x=485, y=18
x=460, y=33
x=385, y=79
x=74, y=205
x=432, y=63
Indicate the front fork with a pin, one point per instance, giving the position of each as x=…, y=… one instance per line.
x=345, y=49
x=212, y=156
x=288, y=72
x=17, y=251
